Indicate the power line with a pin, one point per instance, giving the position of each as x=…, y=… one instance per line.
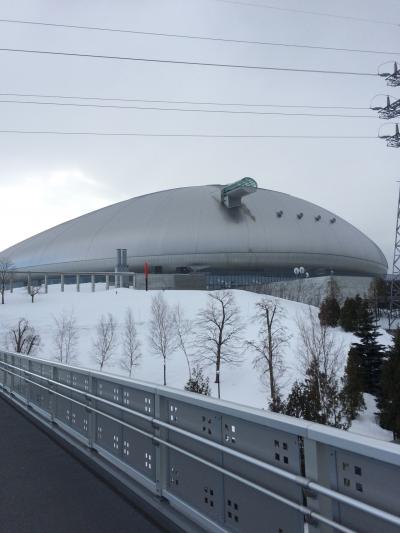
x=181, y=62
x=307, y=12
x=195, y=37
x=175, y=102
x=197, y=135
x=178, y=109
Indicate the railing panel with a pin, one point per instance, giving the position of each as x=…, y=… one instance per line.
x=108, y=435
x=63, y=411
x=196, y=419
x=248, y=510
x=80, y=419
x=196, y=485
x=138, y=451
x=370, y=481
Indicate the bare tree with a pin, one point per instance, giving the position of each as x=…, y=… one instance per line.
x=22, y=338
x=272, y=337
x=65, y=337
x=162, y=332
x=218, y=338
x=33, y=290
x=131, y=353
x=105, y=342
x=183, y=333
x=6, y=267
x=321, y=357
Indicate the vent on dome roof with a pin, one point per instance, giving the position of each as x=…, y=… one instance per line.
x=300, y=216
x=279, y=213
x=332, y=220
x=232, y=194
x=317, y=218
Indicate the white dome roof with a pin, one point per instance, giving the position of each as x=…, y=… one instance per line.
x=190, y=227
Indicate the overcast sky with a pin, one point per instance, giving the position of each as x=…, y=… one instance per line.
x=45, y=180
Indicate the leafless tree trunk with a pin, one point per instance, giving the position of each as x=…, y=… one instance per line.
x=105, y=342
x=219, y=333
x=22, y=338
x=65, y=337
x=320, y=352
x=162, y=333
x=183, y=333
x=33, y=290
x=6, y=267
x=131, y=353
x=272, y=338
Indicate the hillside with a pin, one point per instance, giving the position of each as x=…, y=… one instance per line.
x=240, y=384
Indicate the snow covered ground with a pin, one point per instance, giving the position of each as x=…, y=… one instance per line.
x=240, y=384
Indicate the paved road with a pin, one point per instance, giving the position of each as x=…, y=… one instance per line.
x=43, y=489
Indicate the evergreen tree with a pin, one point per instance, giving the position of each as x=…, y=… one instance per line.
x=317, y=399
x=329, y=312
x=389, y=399
x=353, y=385
x=296, y=402
x=370, y=351
x=348, y=319
x=198, y=382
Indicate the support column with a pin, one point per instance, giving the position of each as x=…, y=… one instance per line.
x=62, y=281
x=29, y=282
x=92, y=279
x=107, y=282
x=46, y=285
x=11, y=285
x=78, y=285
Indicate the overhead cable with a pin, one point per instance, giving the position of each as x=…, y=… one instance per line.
x=197, y=135
x=179, y=109
x=180, y=102
x=194, y=37
x=307, y=12
x=182, y=62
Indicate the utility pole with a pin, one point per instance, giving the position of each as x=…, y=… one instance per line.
x=395, y=283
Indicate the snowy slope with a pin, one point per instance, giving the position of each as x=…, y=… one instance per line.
x=240, y=384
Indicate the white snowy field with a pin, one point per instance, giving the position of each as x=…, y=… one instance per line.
x=240, y=384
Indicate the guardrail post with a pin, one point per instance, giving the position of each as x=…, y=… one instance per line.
x=11, y=285
x=91, y=415
x=160, y=450
x=28, y=386
x=54, y=377
x=92, y=280
x=107, y=282
x=78, y=286
x=319, y=461
x=62, y=282
x=4, y=370
x=29, y=282
x=12, y=376
x=46, y=285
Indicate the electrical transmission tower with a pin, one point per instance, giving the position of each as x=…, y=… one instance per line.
x=395, y=283
x=392, y=78
x=394, y=139
x=390, y=110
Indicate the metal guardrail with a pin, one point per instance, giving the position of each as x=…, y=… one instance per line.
x=225, y=467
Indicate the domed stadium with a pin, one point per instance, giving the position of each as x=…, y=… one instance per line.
x=214, y=228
